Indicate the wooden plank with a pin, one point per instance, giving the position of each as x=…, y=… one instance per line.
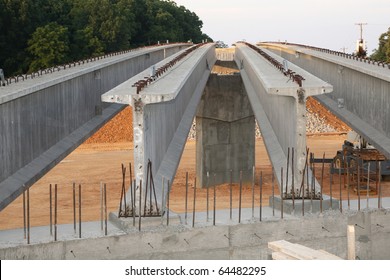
x=327, y=253
x=299, y=251
x=282, y=256
x=351, y=242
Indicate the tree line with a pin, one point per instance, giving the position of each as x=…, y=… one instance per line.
x=382, y=53
x=37, y=34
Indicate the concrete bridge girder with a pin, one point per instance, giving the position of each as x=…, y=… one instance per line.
x=361, y=88
x=44, y=119
x=163, y=113
x=280, y=109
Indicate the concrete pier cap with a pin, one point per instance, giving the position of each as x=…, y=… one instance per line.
x=279, y=104
x=163, y=111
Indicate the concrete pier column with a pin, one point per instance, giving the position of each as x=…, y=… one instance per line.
x=225, y=132
x=278, y=90
x=162, y=115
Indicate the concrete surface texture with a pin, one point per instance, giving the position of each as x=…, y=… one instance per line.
x=269, y=91
x=43, y=119
x=225, y=136
x=227, y=240
x=363, y=88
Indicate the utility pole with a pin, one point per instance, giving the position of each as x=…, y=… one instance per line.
x=361, y=48
x=361, y=29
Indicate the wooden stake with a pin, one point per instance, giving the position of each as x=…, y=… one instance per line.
x=351, y=242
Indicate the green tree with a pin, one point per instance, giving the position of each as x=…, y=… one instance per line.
x=383, y=51
x=124, y=10
x=49, y=46
x=41, y=33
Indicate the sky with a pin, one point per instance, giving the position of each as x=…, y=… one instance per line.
x=327, y=24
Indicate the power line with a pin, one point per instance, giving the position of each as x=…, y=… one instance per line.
x=361, y=29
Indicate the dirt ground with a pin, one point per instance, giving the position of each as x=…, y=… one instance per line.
x=100, y=158
x=91, y=164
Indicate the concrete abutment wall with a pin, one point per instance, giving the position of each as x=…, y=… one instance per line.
x=327, y=232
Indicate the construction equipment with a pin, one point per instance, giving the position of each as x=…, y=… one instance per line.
x=365, y=165
x=356, y=151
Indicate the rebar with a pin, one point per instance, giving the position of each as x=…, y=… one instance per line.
x=102, y=206
x=380, y=188
x=74, y=208
x=28, y=215
x=322, y=180
x=261, y=194
x=307, y=176
x=55, y=212
x=194, y=205
x=140, y=205
x=376, y=175
x=134, y=199
x=186, y=203
x=324, y=228
x=288, y=161
x=51, y=209
x=105, y=210
x=162, y=199
x=287, y=72
x=345, y=167
x=358, y=183
x=341, y=199
x=253, y=192
x=281, y=194
x=79, y=210
x=313, y=178
x=368, y=186
x=330, y=188
x=131, y=190
x=123, y=192
x=239, y=202
x=348, y=187
x=303, y=196
x=273, y=192
x=257, y=236
x=24, y=213
x=215, y=201
x=146, y=188
x=292, y=179
x=207, y=197
x=154, y=192
x=231, y=195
